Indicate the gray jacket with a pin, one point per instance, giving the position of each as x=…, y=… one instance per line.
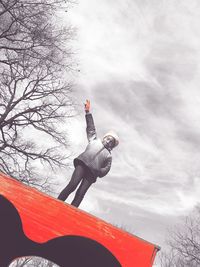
x=96, y=157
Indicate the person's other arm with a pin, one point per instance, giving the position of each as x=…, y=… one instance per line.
x=103, y=171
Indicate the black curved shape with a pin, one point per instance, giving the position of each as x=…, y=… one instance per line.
x=66, y=251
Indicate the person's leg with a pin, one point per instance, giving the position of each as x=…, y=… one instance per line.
x=84, y=186
x=75, y=180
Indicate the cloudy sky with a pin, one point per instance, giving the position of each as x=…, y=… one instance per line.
x=139, y=66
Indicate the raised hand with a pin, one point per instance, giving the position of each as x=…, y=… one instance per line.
x=87, y=106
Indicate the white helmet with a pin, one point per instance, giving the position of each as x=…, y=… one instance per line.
x=114, y=135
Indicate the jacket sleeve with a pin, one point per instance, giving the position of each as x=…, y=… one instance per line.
x=90, y=127
x=103, y=171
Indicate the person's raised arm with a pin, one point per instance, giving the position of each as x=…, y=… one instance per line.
x=90, y=127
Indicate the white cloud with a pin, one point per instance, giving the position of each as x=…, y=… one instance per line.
x=140, y=68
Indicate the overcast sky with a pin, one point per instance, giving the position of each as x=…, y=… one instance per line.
x=139, y=66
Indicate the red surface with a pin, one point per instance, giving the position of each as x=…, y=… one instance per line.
x=44, y=218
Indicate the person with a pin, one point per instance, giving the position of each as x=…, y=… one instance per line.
x=94, y=162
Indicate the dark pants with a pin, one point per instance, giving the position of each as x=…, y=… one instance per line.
x=80, y=174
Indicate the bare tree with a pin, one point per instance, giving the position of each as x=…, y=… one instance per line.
x=184, y=244
x=35, y=63
x=32, y=262
x=20, y=262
